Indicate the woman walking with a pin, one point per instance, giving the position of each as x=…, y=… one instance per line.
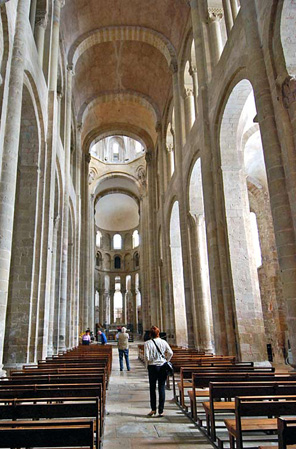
x=123, y=348
x=156, y=353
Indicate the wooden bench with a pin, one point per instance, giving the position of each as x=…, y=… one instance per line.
x=76, y=433
x=46, y=408
x=228, y=390
x=202, y=380
x=186, y=374
x=257, y=406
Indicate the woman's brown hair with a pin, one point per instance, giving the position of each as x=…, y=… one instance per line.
x=154, y=332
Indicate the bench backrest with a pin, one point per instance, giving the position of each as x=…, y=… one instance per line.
x=41, y=434
x=286, y=432
x=202, y=380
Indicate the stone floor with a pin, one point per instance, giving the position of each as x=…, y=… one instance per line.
x=128, y=427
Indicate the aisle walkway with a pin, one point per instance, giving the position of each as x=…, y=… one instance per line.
x=128, y=427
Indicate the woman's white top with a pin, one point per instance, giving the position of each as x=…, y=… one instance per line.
x=151, y=354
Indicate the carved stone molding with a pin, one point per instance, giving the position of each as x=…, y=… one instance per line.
x=289, y=91
x=87, y=158
x=148, y=157
x=188, y=92
x=215, y=15
x=141, y=175
x=41, y=19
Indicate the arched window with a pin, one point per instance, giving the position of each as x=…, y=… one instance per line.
x=98, y=259
x=136, y=239
x=115, y=151
x=117, y=241
x=117, y=262
x=98, y=239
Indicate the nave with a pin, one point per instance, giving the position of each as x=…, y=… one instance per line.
x=128, y=427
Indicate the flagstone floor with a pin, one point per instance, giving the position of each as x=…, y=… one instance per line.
x=127, y=425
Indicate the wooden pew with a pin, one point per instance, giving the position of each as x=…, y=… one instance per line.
x=286, y=432
x=202, y=380
x=228, y=390
x=76, y=433
x=257, y=406
x=46, y=408
x=186, y=374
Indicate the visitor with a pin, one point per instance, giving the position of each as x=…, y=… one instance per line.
x=154, y=359
x=86, y=337
x=103, y=337
x=118, y=333
x=123, y=348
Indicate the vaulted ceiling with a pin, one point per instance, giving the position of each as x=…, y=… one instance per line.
x=121, y=51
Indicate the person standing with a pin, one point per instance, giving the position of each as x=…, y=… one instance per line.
x=86, y=337
x=123, y=350
x=154, y=359
x=103, y=337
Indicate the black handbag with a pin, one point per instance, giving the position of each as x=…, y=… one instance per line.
x=167, y=366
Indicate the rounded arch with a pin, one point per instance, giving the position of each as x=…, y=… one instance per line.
x=116, y=183
x=128, y=130
x=122, y=33
x=128, y=95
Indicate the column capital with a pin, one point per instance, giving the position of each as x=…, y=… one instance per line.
x=215, y=15
x=188, y=92
x=41, y=19
x=158, y=127
x=79, y=127
x=192, y=70
x=289, y=91
x=70, y=69
x=141, y=175
x=61, y=3
x=149, y=157
x=87, y=158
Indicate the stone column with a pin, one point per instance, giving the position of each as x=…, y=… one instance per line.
x=10, y=158
x=234, y=8
x=84, y=254
x=106, y=302
x=101, y=310
x=78, y=232
x=40, y=27
x=182, y=203
x=189, y=110
x=214, y=19
x=124, y=305
x=152, y=233
x=112, y=292
x=55, y=41
x=33, y=13
x=52, y=288
x=201, y=309
x=224, y=332
x=277, y=182
x=144, y=262
x=227, y=15
x=66, y=211
x=193, y=73
x=133, y=299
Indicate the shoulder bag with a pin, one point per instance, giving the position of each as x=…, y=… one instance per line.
x=167, y=366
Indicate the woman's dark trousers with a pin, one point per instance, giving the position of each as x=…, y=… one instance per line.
x=157, y=373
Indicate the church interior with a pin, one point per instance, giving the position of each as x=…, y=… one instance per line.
x=147, y=170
